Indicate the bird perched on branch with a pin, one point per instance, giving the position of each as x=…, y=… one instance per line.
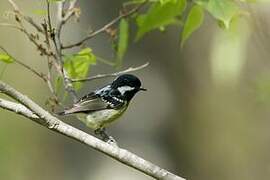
x=103, y=106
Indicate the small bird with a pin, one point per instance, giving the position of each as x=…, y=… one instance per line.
x=104, y=105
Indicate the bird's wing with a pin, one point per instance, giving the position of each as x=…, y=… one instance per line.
x=88, y=103
x=94, y=102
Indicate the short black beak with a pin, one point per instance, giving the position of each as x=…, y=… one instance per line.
x=143, y=89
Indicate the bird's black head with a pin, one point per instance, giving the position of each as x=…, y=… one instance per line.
x=127, y=86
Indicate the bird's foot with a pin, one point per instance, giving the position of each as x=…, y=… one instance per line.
x=105, y=137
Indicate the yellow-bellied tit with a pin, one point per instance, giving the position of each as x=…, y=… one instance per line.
x=104, y=105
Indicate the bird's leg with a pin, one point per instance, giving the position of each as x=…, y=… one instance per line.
x=102, y=133
x=105, y=137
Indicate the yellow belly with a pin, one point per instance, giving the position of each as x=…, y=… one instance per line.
x=100, y=119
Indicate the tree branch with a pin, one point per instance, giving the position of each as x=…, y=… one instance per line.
x=49, y=17
x=34, y=112
x=99, y=76
x=26, y=18
x=51, y=35
x=106, y=26
x=14, y=5
x=58, y=48
x=17, y=108
x=33, y=38
x=24, y=65
x=70, y=11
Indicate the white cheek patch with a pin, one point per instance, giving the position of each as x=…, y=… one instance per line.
x=104, y=89
x=124, y=89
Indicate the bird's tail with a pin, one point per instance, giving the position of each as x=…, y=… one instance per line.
x=62, y=113
x=66, y=112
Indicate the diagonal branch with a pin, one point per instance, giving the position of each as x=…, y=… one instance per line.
x=70, y=11
x=14, y=5
x=54, y=124
x=106, y=26
x=40, y=75
x=17, y=108
x=100, y=76
x=26, y=18
x=45, y=78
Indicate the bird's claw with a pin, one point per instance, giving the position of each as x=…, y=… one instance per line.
x=105, y=137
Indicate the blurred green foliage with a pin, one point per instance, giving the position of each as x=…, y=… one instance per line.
x=122, y=42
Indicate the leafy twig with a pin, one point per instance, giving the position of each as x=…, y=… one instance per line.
x=99, y=76
x=106, y=26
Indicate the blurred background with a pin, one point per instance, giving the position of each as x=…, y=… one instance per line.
x=205, y=115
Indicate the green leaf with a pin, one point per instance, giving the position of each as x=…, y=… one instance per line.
x=193, y=22
x=159, y=14
x=122, y=41
x=222, y=10
x=6, y=58
x=78, y=65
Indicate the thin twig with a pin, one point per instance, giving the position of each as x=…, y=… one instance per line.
x=14, y=5
x=58, y=48
x=33, y=23
x=26, y=18
x=18, y=15
x=106, y=26
x=54, y=124
x=49, y=16
x=70, y=11
x=104, y=61
x=24, y=65
x=46, y=79
x=33, y=39
x=48, y=33
x=99, y=76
